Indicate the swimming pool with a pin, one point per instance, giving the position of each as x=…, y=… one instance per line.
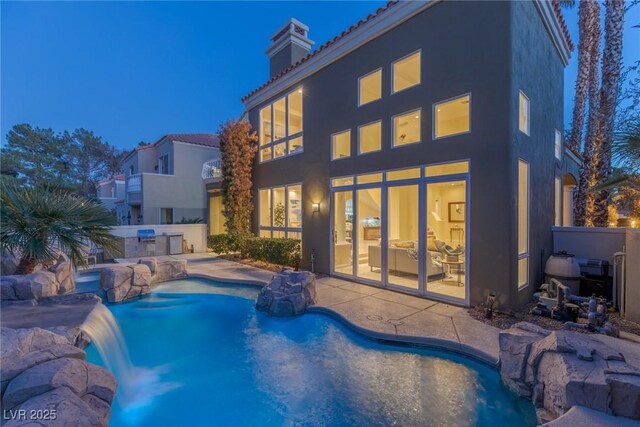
x=222, y=363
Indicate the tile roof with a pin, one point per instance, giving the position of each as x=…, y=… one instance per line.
x=206, y=139
x=556, y=8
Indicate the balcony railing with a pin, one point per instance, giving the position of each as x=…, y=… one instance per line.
x=212, y=169
x=134, y=183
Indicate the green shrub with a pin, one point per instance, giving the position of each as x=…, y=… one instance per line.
x=222, y=244
x=280, y=251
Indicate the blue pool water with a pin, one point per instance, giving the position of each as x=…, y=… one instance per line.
x=221, y=363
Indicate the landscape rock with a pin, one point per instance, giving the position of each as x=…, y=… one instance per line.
x=56, y=373
x=42, y=283
x=170, y=270
x=41, y=370
x=561, y=369
x=8, y=264
x=70, y=410
x=122, y=283
x=289, y=293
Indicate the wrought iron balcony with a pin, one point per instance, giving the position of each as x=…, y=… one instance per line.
x=212, y=170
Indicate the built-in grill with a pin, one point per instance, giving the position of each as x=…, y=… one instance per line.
x=148, y=235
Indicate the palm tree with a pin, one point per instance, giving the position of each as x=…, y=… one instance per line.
x=583, y=199
x=609, y=92
x=585, y=23
x=38, y=223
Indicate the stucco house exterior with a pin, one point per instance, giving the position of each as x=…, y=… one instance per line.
x=111, y=191
x=420, y=150
x=163, y=180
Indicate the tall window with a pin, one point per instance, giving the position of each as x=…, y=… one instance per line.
x=341, y=145
x=452, y=117
x=523, y=113
x=523, y=223
x=558, y=145
x=406, y=128
x=370, y=87
x=280, y=211
x=370, y=138
x=406, y=72
x=281, y=127
x=557, y=221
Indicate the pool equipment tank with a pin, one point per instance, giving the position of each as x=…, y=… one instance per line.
x=563, y=267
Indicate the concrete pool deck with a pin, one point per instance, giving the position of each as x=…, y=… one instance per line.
x=372, y=311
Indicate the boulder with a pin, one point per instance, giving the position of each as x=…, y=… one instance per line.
x=8, y=288
x=64, y=273
x=8, y=264
x=16, y=365
x=152, y=263
x=70, y=410
x=40, y=284
x=561, y=369
x=289, y=293
x=56, y=373
x=170, y=270
x=40, y=370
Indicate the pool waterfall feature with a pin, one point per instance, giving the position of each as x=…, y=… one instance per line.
x=202, y=355
x=136, y=385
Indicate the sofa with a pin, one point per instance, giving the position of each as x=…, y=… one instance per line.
x=400, y=260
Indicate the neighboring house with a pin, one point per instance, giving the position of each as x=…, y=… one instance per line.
x=111, y=191
x=427, y=124
x=163, y=180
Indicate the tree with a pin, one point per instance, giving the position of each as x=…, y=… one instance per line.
x=36, y=156
x=92, y=160
x=583, y=199
x=238, y=147
x=36, y=223
x=72, y=161
x=609, y=92
x=586, y=15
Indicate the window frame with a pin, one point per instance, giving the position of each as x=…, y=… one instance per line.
x=434, y=111
x=271, y=229
x=393, y=64
x=524, y=95
x=288, y=137
x=393, y=118
x=557, y=148
x=523, y=255
x=379, y=69
x=333, y=136
x=173, y=219
x=359, y=152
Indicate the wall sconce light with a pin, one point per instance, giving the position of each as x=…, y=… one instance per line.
x=316, y=207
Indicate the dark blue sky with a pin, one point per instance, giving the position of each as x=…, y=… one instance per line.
x=135, y=71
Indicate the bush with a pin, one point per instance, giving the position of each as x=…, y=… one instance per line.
x=222, y=244
x=280, y=251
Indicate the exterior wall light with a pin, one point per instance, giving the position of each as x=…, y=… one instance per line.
x=316, y=207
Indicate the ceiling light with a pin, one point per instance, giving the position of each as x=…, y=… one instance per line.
x=299, y=90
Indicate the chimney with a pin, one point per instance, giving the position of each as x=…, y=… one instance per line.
x=288, y=45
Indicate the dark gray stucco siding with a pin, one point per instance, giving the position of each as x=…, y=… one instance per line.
x=538, y=72
x=285, y=57
x=466, y=48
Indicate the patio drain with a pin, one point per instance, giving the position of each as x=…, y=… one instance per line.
x=395, y=322
x=374, y=317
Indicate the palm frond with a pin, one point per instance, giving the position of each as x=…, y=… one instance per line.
x=37, y=223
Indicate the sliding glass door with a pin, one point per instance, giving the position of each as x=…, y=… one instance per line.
x=343, y=232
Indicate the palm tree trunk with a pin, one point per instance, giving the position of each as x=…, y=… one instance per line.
x=583, y=199
x=585, y=18
x=609, y=91
x=26, y=266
